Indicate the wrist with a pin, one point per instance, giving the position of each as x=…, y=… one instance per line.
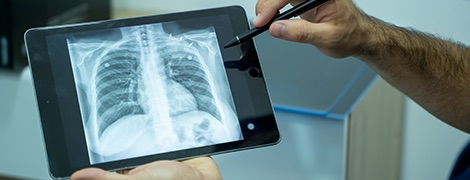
x=372, y=38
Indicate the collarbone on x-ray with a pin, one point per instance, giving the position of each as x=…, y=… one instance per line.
x=148, y=91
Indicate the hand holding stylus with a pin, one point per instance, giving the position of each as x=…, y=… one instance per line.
x=295, y=11
x=331, y=27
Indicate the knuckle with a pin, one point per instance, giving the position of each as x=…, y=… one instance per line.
x=302, y=33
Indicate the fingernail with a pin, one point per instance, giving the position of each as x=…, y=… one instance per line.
x=254, y=20
x=278, y=30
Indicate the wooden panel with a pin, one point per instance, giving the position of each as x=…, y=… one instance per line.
x=374, y=136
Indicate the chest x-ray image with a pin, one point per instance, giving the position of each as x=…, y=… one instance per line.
x=150, y=89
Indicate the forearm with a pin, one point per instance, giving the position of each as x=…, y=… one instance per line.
x=433, y=72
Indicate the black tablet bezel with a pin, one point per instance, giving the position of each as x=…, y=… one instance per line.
x=53, y=83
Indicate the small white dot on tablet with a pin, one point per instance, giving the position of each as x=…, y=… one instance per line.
x=251, y=126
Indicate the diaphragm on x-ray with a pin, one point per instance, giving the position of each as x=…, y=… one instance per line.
x=144, y=90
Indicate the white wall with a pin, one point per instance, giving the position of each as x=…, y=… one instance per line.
x=22, y=152
x=430, y=146
x=162, y=6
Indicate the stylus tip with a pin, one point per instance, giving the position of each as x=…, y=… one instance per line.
x=232, y=42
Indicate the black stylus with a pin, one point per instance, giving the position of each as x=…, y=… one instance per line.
x=295, y=11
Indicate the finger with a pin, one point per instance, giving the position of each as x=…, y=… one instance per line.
x=297, y=30
x=205, y=165
x=166, y=169
x=124, y=171
x=202, y=163
x=206, y=160
x=266, y=10
x=95, y=174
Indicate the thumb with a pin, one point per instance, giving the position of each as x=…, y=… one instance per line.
x=297, y=30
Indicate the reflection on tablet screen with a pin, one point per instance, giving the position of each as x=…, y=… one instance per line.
x=144, y=90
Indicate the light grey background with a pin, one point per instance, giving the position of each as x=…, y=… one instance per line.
x=312, y=148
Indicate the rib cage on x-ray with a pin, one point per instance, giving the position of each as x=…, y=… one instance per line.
x=117, y=85
x=170, y=83
x=183, y=65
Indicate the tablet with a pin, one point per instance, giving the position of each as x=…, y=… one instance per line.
x=121, y=93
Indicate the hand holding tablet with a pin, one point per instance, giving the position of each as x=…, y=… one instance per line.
x=121, y=93
x=201, y=168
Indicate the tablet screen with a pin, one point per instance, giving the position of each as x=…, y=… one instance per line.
x=117, y=94
x=167, y=90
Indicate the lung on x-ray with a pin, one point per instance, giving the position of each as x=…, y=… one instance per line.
x=144, y=90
